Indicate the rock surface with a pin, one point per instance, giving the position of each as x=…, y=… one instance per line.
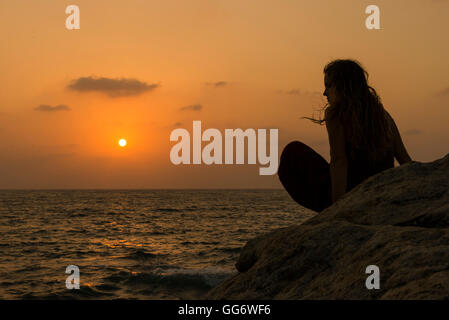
x=397, y=220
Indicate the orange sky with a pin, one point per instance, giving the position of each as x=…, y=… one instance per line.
x=269, y=56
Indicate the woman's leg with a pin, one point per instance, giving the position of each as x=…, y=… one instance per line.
x=306, y=176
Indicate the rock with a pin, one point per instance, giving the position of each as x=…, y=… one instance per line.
x=397, y=220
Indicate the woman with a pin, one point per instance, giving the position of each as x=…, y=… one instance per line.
x=363, y=139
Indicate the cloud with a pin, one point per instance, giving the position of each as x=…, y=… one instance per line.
x=299, y=92
x=217, y=84
x=47, y=108
x=444, y=92
x=413, y=132
x=293, y=91
x=194, y=107
x=112, y=87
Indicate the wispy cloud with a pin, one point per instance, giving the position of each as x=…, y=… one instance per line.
x=193, y=107
x=293, y=91
x=48, y=108
x=299, y=92
x=444, y=92
x=217, y=84
x=112, y=87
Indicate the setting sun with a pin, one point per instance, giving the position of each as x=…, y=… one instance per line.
x=122, y=142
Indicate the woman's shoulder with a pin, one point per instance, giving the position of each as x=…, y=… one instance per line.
x=328, y=111
x=391, y=124
x=388, y=116
x=334, y=126
x=329, y=115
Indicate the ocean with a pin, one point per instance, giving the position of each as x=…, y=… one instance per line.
x=131, y=244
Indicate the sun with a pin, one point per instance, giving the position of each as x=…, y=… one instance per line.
x=122, y=142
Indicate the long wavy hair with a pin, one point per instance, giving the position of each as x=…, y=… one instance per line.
x=359, y=108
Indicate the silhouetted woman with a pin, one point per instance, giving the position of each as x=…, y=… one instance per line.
x=363, y=139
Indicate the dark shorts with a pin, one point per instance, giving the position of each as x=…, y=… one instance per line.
x=306, y=176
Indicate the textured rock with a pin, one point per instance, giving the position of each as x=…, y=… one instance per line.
x=397, y=220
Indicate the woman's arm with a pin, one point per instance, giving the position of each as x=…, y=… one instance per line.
x=339, y=162
x=400, y=153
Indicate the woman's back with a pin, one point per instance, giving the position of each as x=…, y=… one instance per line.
x=362, y=165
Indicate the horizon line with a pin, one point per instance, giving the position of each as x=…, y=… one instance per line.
x=48, y=189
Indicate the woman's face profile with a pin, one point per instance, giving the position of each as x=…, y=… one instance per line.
x=330, y=91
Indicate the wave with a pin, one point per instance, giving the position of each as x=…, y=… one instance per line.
x=173, y=278
x=173, y=283
x=230, y=249
x=141, y=254
x=168, y=210
x=185, y=209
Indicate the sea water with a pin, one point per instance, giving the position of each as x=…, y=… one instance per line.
x=131, y=244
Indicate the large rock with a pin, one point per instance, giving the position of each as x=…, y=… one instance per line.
x=397, y=220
